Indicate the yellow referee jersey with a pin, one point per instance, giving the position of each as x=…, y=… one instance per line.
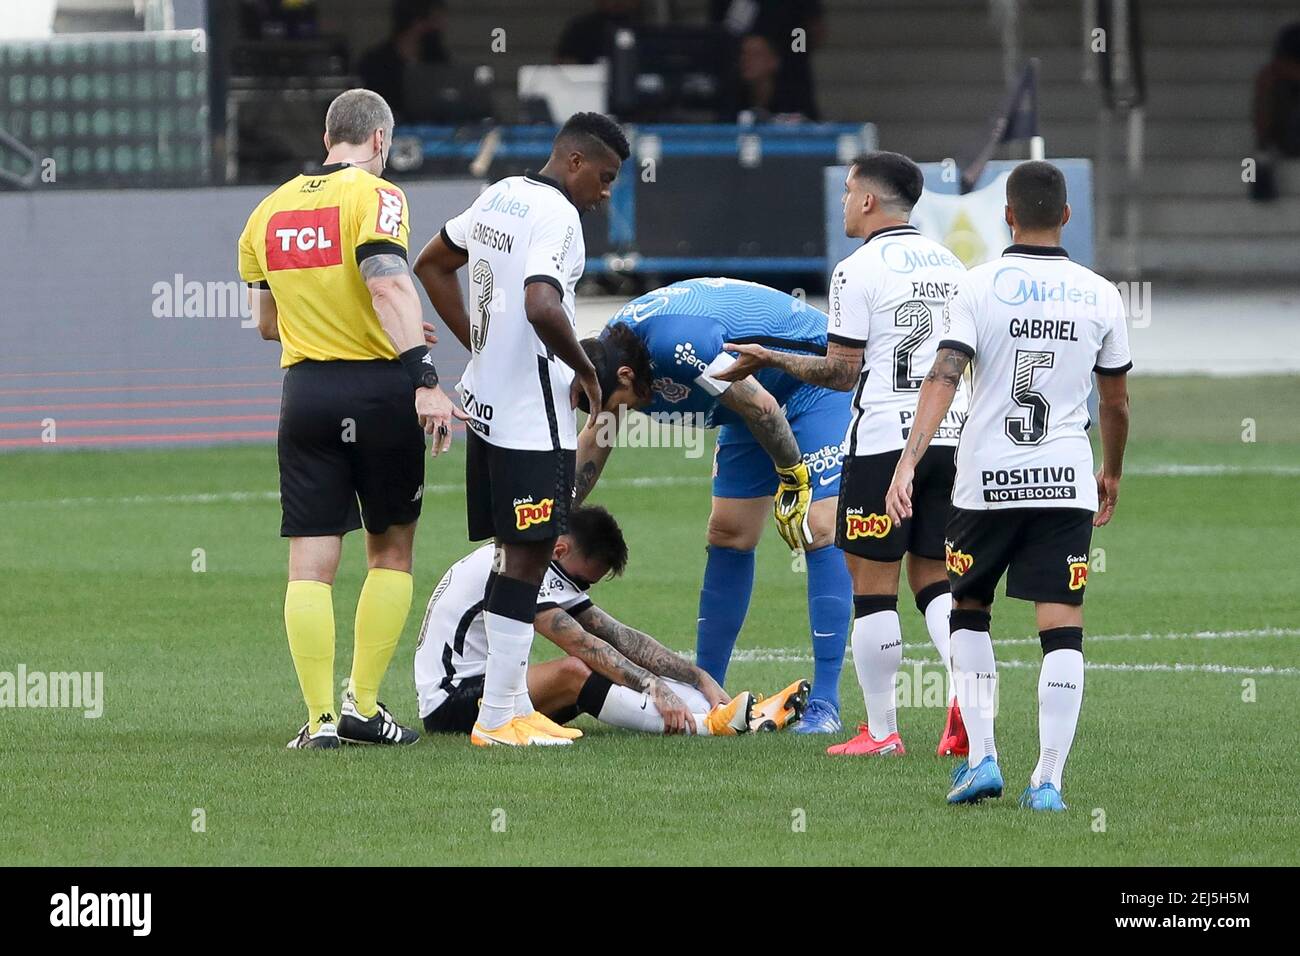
x=305, y=241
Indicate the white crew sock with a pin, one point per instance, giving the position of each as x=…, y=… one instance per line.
x=506, y=677
x=936, y=622
x=975, y=674
x=877, y=654
x=1060, y=695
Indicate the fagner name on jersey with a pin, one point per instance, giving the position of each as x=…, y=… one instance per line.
x=1062, y=330
x=934, y=291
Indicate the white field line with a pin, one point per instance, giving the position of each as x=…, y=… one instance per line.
x=658, y=481
x=790, y=656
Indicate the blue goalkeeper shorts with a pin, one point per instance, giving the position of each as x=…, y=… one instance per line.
x=819, y=418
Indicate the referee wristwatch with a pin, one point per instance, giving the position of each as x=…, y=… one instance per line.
x=419, y=367
x=428, y=377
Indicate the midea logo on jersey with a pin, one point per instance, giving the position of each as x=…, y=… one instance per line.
x=684, y=354
x=899, y=258
x=1014, y=286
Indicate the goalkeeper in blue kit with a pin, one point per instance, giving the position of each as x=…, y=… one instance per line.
x=779, y=450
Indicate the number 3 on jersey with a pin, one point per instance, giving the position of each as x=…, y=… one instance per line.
x=481, y=277
x=1029, y=430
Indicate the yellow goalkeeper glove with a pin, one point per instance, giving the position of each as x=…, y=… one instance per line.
x=790, y=505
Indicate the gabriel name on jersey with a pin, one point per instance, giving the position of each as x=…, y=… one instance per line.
x=1037, y=326
x=887, y=299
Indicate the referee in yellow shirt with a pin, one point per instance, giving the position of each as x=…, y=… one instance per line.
x=325, y=256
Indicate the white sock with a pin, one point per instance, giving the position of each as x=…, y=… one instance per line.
x=975, y=673
x=509, y=642
x=634, y=710
x=936, y=622
x=1060, y=694
x=877, y=654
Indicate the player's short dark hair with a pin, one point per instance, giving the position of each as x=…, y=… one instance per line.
x=614, y=348
x=583, y=128
x=1036, y=195
x=894, y=171
x=597, y=535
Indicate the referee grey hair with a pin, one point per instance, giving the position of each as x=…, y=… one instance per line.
x=355, y=115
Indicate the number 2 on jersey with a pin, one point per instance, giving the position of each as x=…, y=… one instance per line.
x=1029, y=430
x=481, y=276
x=915, y=315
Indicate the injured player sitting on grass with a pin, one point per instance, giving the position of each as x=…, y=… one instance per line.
x=614, y=672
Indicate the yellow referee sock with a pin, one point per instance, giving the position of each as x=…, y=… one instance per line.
x=309, y=622
x=381, y=614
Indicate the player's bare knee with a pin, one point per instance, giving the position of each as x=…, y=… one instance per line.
x=726, y=534
x=574, y=674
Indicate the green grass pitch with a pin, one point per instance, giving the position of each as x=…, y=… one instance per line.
x=1171, y=766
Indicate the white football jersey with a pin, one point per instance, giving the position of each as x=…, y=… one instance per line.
x=887, y=298
x=521, y=230
x=453, y=639
x=1037, y=326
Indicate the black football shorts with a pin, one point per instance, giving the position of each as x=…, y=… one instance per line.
x=351, y=448
x=516, y=495
x=861, y=526
x=1042, y=551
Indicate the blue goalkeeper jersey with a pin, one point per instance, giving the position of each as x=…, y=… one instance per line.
x=684, y=325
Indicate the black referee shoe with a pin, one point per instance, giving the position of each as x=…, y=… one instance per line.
x=379, y=729
x=326, y=738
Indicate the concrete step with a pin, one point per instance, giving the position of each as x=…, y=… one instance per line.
x=1223, y=216
x=1235, y=256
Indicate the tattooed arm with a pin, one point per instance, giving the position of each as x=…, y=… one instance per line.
x=650, y=654
x=593, y=452
x=932, y=405
x=557, y=626
x=766, y=421
x=839, y=369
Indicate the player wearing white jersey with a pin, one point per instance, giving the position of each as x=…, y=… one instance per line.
x=1036, y=327
x=522, y=240
x=886, y=302
x=614, y=672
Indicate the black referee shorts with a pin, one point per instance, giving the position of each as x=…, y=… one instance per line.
x=863, y=529
x=351, y=448
x=515, y=495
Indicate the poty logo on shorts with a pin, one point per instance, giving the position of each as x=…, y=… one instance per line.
x=1078, y=572
x=528, y=514
x=958, y=562
x=684, y=354
x=669, y=390
x=867, y=526
x=390, y=213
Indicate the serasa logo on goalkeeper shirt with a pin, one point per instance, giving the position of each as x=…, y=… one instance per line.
x=303, y=239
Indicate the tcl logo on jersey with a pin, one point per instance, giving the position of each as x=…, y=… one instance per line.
x=958, y=562
x=390, y=213
x=1078, y=575
x=867, y=526
x=528, y=514
x=303, y=239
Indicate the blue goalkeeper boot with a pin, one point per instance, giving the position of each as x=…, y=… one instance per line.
x=973, y=784
x=820, y=717
x=1043, y=797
